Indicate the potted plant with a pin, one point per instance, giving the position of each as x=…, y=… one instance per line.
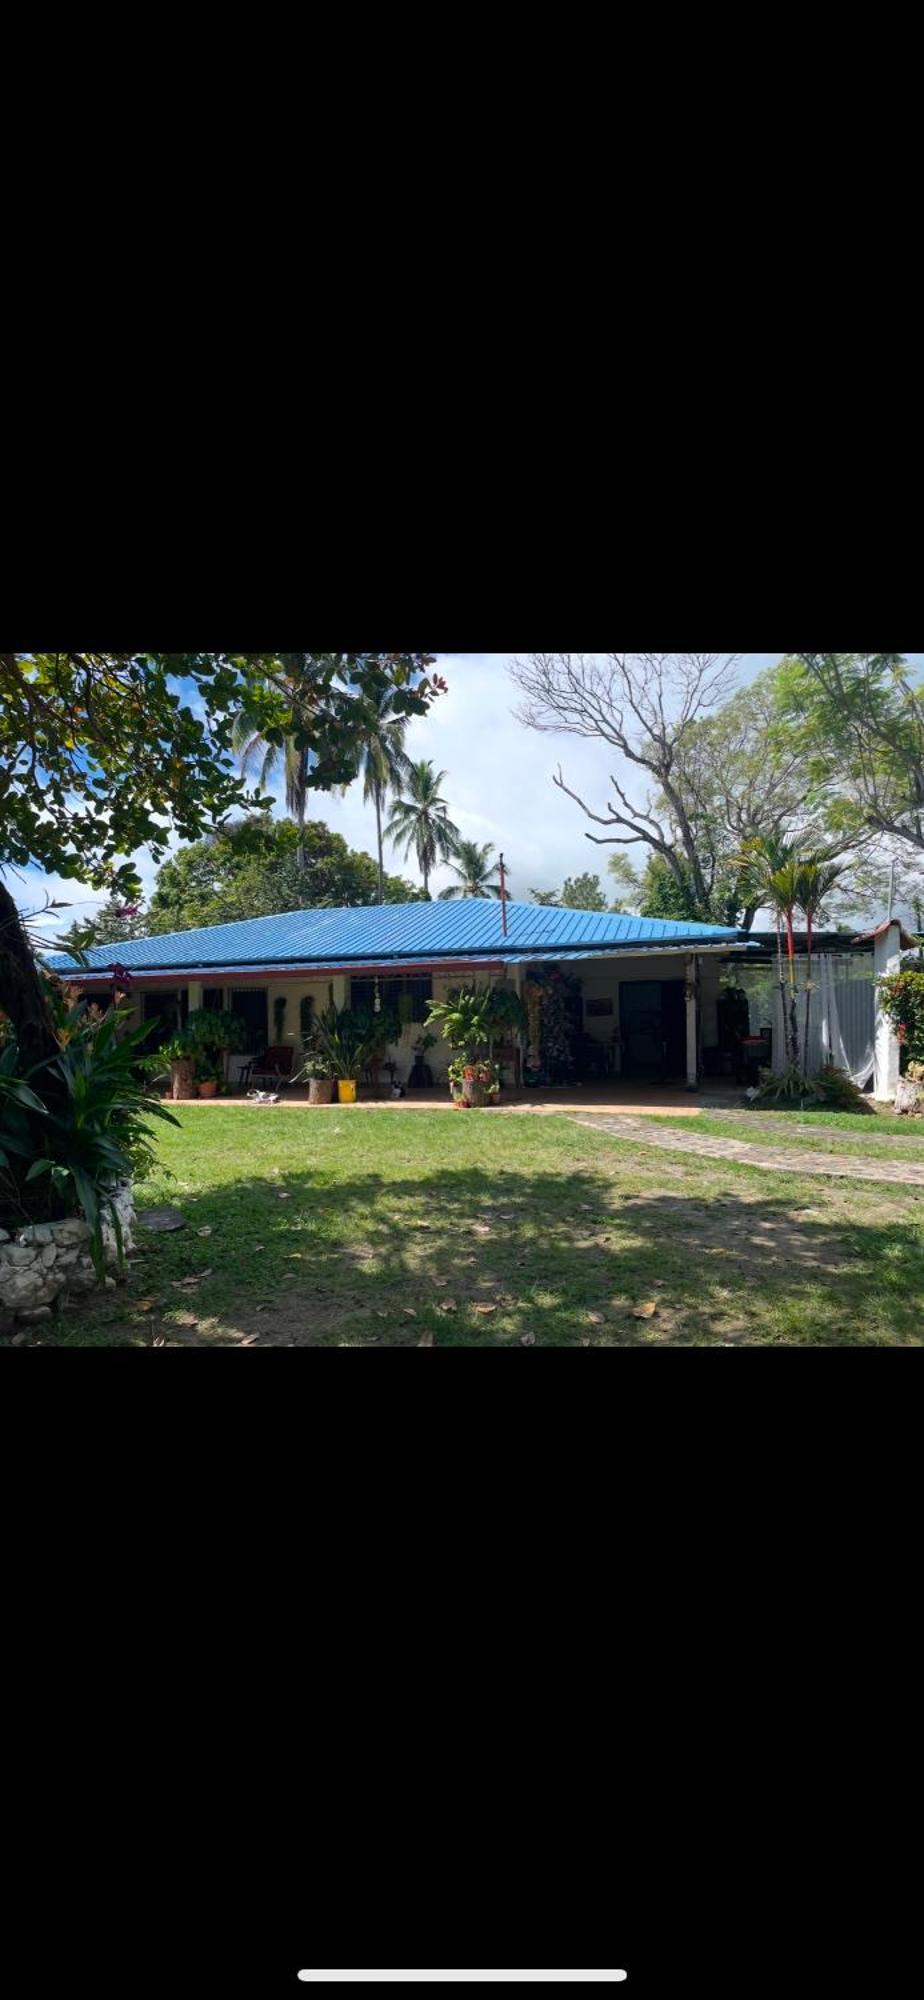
x=466, y=1022
x=212, y=1035
x=344, y=1038
x=179, y=1053
x=208, y=1076
x=316, y=1068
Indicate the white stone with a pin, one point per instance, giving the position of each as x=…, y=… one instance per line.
x=50, y=1254
x=38, y=1232
x=18, y=1254
x=4, y=1235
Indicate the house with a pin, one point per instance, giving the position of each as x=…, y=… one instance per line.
x=643, y=995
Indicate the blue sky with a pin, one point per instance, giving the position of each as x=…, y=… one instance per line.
x=498, y=785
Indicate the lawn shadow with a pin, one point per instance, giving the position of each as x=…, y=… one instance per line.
x=497, y=1257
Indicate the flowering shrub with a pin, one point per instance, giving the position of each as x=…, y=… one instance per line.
x=901, y=996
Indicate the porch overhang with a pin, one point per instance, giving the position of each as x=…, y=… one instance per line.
x=249, y=969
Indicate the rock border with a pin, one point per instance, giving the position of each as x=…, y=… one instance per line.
x=47, y=1261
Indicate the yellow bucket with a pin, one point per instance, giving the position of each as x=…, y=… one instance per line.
x=346, y=1090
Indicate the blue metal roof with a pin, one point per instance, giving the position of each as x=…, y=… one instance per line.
x=393, y=932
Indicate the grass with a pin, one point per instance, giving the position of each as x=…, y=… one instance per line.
x=390, y=1228
x=814, y=1132
x=867, y=1124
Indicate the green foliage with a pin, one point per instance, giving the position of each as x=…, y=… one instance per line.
x=116, y=923
x=857, y=721
x=251, y=869
x=215, y=1031
x=583, y=892
x=349, y=1039
x=901, y=996
x=102, y=753
x=832, y=1088
x=77, y=1125
x=464, y=1019
x=665, y=896
x=627, y=887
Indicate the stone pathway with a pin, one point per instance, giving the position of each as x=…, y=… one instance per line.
x=743, y=1120
x=777, y=1159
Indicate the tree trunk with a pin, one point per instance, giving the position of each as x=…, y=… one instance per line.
x=378, y=831
x=21, y=995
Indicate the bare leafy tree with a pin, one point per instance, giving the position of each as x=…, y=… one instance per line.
x=715, y=777
x=644, y=706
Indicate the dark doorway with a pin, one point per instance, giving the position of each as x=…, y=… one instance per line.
x=167, y=1014
x=249, y=1002
x=653, y=1021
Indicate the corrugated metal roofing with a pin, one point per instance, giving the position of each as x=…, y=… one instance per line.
x=470, y=927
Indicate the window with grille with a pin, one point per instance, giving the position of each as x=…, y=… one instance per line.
x=411, y=996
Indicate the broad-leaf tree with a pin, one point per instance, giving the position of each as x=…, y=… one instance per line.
x=858, y=721
x=252, y=869
x=103, y=753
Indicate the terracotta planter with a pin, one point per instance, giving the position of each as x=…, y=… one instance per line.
x=182, y=1080
x=473, y=1093
x=209, y=1089
x=346, y=1090
x=320, y=1089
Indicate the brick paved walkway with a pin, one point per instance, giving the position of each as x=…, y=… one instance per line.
x=777, y=1159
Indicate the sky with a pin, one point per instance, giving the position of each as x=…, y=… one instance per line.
x=498, y=787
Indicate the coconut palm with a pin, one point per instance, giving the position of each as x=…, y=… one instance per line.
x=382, y=763
x=255, y=750
x=421, y=820
x=473, y=866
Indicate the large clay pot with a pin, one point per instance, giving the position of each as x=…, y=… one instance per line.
x=473, y=1092
x=209, y=1089
x=182, y=1080
x=320, y=1089
x=909, y=1096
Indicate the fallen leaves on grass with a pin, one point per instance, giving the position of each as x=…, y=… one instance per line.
x=447, y=1306
x=594, y=1319
x=249, y=1340
x=206, y=1231
x=483, y=1310
x=426, y=1340
x=408, y=1312
x=527, y=1340
x=645, y=1311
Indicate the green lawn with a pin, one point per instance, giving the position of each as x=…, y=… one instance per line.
x=389, y=1228
x=822, y=1132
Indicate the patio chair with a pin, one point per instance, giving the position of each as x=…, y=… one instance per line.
x=274, y=1066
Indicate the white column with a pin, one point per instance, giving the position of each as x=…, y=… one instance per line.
x=887, y=958
x=194, y=994
x=692, y=1053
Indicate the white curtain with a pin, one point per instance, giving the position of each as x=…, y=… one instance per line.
x=841, y=1023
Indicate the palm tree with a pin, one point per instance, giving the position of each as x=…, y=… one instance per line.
x=421, y=820
x=382, y=763
x=252, y=747
x=472, y=866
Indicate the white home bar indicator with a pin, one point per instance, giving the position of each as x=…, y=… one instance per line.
x=462, y=1978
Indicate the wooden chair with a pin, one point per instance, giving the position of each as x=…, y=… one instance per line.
x=274, y=1066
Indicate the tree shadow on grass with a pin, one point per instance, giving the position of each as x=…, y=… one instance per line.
x=491, y=1258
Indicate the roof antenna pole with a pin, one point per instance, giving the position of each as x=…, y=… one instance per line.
x=503, y=896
